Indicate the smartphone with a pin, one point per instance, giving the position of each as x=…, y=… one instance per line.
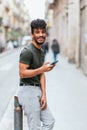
x=54, y=62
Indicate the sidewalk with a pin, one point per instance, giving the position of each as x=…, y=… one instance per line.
x=67, y=98
x=7, y=52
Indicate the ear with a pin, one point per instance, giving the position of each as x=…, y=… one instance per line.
x=32, y=35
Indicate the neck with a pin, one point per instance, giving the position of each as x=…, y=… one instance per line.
x=36, y=45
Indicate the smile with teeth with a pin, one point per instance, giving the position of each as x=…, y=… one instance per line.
x=41, y=38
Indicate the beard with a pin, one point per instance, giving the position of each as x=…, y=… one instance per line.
x=38, y=42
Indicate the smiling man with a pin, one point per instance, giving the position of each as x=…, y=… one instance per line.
x=32, y=91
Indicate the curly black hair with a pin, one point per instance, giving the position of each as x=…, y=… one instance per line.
x=38, y=23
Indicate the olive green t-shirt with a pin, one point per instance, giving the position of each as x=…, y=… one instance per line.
x=33, y=57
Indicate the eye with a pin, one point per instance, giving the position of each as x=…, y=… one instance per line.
x=37, y=32
x=43, y=31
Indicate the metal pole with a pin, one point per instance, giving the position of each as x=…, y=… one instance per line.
x=18, y=115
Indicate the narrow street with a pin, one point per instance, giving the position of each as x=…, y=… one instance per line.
x=66, y=93
x=63, y=22
x=8, y=78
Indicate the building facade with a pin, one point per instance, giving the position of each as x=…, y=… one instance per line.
x=70, y=29
x=14, y=19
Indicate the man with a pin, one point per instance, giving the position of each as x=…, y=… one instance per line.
x=55, y=49
x=32, y=93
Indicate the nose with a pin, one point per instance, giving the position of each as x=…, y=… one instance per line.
x=41, y=34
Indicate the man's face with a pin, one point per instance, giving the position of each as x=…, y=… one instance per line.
x=39, y=36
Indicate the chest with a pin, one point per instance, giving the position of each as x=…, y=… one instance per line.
x=37, y=59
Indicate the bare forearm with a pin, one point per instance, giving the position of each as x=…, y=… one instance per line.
x=43, y=84
x=25, y=72
x=30, y=73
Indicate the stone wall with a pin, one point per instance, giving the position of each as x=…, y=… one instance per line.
x=83, y=36
x=61, y=24
x=70, y=29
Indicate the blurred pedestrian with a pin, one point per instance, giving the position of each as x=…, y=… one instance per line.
x=9, y=45
x=15, y=43
x=32, y=93
x=45, y=47
x=55, y=49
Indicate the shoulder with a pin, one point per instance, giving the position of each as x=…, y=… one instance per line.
x=26, y=55
x=27, y=49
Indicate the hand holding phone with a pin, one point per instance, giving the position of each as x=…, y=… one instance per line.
x=54, y=62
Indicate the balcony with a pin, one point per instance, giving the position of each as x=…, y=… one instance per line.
x=51, y=4
x=6, y=4
x=6, y=22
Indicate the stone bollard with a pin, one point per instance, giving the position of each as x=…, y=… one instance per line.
x=18, y=115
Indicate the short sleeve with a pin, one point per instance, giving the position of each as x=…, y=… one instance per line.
x=26, y=56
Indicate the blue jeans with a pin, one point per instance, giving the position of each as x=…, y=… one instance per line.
x=55, y=56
